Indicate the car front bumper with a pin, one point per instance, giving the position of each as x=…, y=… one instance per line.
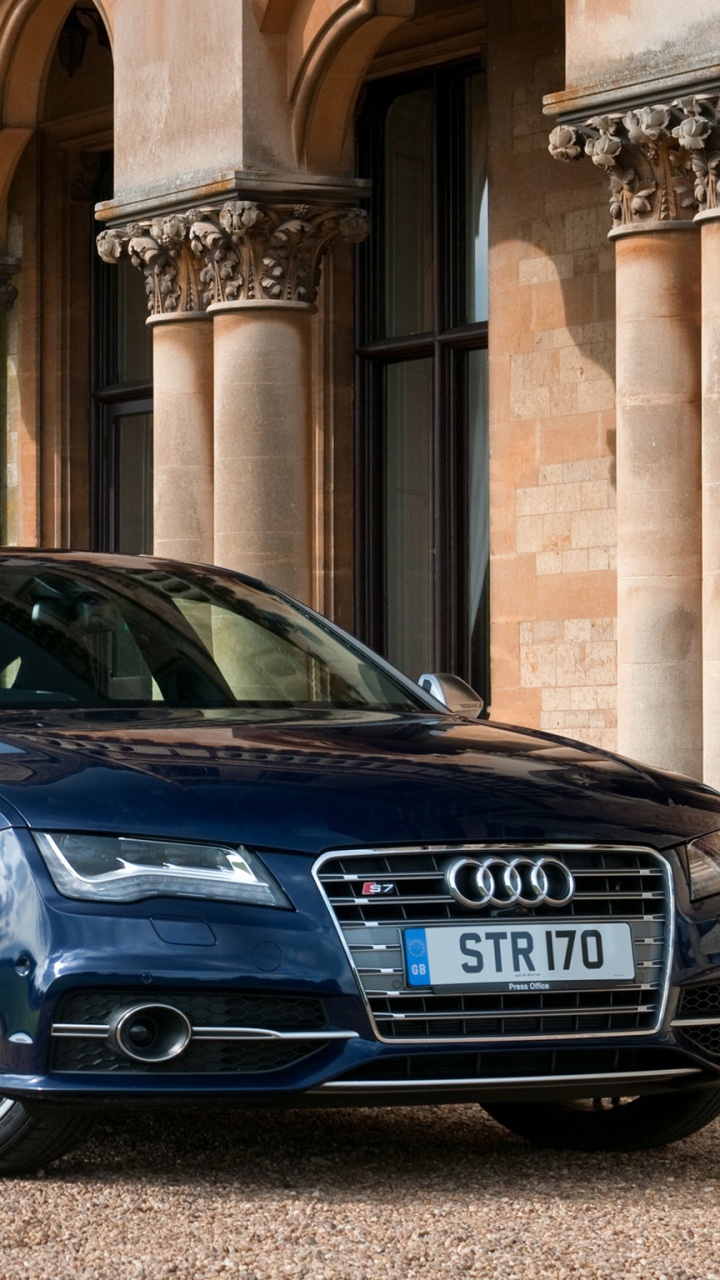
x=283, y=1011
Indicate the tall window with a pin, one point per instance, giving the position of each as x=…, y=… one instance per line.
x=122, y=403
x=422, y=386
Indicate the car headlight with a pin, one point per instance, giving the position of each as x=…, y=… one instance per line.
x=703, y=858
x=123, y=869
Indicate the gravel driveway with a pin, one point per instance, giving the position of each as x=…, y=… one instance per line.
x=358, y=1195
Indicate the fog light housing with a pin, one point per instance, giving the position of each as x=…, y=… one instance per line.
x=149, y=1032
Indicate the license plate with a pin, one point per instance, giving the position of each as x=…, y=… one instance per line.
x=518, y=957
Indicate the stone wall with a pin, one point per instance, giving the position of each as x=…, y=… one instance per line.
x=552, y=419
x=613, y=45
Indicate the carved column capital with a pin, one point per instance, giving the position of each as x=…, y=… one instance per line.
x=662, y=161
x=269, y=253
x=160, y=248
x=240, y=252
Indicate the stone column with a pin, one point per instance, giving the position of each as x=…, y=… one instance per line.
x=653, y=158
x=233, y=468
x=659, y=497
x=182, y=380
x=262, y=272
x=711, y=490
x=183, y=436
x=263, y=425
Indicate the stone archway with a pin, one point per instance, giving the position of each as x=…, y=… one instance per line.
x=330, y=44
x=53, y=130
x=29, y=31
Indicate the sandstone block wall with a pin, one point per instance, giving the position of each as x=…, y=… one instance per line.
x=552, y=401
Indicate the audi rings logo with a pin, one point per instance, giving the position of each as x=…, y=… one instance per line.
x=507, y=882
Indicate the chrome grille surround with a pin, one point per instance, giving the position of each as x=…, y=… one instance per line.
x=613, y=882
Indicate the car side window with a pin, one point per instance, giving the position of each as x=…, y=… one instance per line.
x=259, y=665
x=129, y=676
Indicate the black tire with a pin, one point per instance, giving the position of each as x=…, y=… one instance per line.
x=33, y=1134
x=609, y=1124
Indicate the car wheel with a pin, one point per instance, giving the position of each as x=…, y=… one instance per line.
x=33, y=1134
x=609, y=1124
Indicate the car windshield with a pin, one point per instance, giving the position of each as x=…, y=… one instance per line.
x=91, y=635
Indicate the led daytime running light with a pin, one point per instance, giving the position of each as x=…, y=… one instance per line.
x=125, y=869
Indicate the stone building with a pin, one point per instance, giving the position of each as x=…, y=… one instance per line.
x=353, y=328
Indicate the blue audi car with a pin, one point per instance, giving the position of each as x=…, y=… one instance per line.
x=243, y=860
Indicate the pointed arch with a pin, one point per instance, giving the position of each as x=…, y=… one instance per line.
x=29, y=31
x=329, y=46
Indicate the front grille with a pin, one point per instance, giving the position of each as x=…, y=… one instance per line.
x=617, y=884
x=545, y=1065
x=77, y=1050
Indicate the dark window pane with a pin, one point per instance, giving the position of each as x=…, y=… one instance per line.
x=408, y=181
x=133, y=483
x=134, y=355
x=8, y=476
x=477, y=200
x=409, y=516
x=423, y=143
x=479, y=548
x=122, y=426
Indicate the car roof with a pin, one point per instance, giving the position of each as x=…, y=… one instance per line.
x=116, y=560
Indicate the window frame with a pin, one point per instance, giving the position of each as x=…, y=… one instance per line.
x=111, y=406
x=447, y=345
x=110, y=397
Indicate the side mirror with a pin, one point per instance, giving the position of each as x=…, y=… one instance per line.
x=455, y=693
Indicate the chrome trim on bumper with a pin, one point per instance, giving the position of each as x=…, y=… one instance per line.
x=464, y=1081
x=695, y=1022
x=99, y=1031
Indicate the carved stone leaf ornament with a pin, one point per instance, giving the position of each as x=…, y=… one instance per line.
x=648, y=125
x=355, y=226
x=687, y=189
x=628, y=197
x=640, y=201
x=693, y=106
x=706, y=188
x=238, y=217
x=111, y=245
x=604, y=150
x=157, y=248
x=662, y=161
x=564, y=143
x=692, y=133
x=147, y=252
x=241, y=252
x=219, y=274
x=605, y=124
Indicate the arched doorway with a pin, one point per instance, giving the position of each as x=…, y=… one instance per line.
x=66, y=339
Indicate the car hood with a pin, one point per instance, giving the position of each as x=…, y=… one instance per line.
x=334, y=781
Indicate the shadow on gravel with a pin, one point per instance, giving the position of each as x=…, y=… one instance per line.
x=364, y=1154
